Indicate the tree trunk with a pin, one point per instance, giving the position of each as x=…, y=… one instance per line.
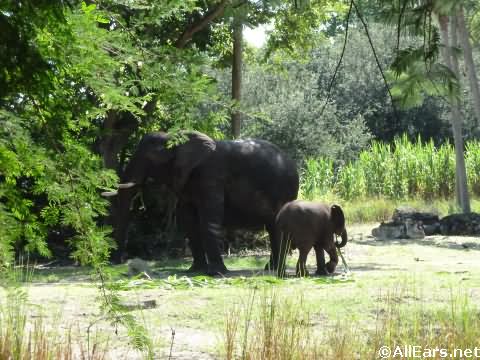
x=237, y=76
x=464, y=36
x=455, y=116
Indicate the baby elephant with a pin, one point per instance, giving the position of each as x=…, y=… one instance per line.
x=304, y=224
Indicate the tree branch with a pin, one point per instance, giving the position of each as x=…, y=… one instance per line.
x=200, y=24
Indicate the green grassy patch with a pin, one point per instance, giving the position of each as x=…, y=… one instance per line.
x=381, y=209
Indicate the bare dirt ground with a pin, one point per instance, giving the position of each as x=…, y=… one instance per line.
x=187, y=323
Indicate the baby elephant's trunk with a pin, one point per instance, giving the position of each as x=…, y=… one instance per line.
x=344, y=240
x=338, y=219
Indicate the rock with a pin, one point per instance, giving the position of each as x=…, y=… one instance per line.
x=407, y=223
x=429, y=220
x=409, y=229
x=414, y=229
x=460, y=224
x=389, y=230
x=403, y=213
x=138, y=266
x=431, y=229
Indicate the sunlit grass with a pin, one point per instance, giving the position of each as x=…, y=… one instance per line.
x=370, y=210
x=24, y=339
x=271, y=325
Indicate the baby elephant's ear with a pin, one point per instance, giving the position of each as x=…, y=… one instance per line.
x=338, y=218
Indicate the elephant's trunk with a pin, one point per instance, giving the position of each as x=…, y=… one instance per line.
x=344, y=240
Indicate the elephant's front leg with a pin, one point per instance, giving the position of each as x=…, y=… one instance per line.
x=210, y=210
x=332, y=264
x=302, y=261
x=121, y=217
x=320, y=255
x=188, y=220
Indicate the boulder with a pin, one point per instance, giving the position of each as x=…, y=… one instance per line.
x=137, y=266
x=389, y=230
x=404, y=212
x=407, y=223
x=432, y=229
x=429, y=220
x=460, y=224
x=414, y=229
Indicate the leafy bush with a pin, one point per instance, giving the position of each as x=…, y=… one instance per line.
x=288, y=109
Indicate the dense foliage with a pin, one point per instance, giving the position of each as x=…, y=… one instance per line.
x=286, y=108
x=78, y=76
x=281, y=92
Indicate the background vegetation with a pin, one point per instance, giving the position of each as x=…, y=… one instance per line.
x=400, y=170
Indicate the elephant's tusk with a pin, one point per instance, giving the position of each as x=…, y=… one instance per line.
x=126, y=185
x=109, y=193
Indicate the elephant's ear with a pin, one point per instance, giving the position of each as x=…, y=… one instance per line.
x=338, y=218
x=189, y=155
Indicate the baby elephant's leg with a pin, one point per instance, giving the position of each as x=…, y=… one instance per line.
x=302, y=261
x=332, y=264
x=320, y=255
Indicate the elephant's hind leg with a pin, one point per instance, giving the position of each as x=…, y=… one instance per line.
x=210, y=210
x=302, y=261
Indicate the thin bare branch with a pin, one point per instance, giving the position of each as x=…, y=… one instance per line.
x=332, y=81
x=359, y=14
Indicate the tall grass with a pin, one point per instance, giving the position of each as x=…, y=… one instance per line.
x=318, y=177
x=269, y=327
x=273, y=326
x=22, y=339
x=398, y=171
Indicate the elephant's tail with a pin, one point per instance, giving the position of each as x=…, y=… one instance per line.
x=338, y=219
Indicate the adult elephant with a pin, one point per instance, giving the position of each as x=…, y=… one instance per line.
x=219, y=184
